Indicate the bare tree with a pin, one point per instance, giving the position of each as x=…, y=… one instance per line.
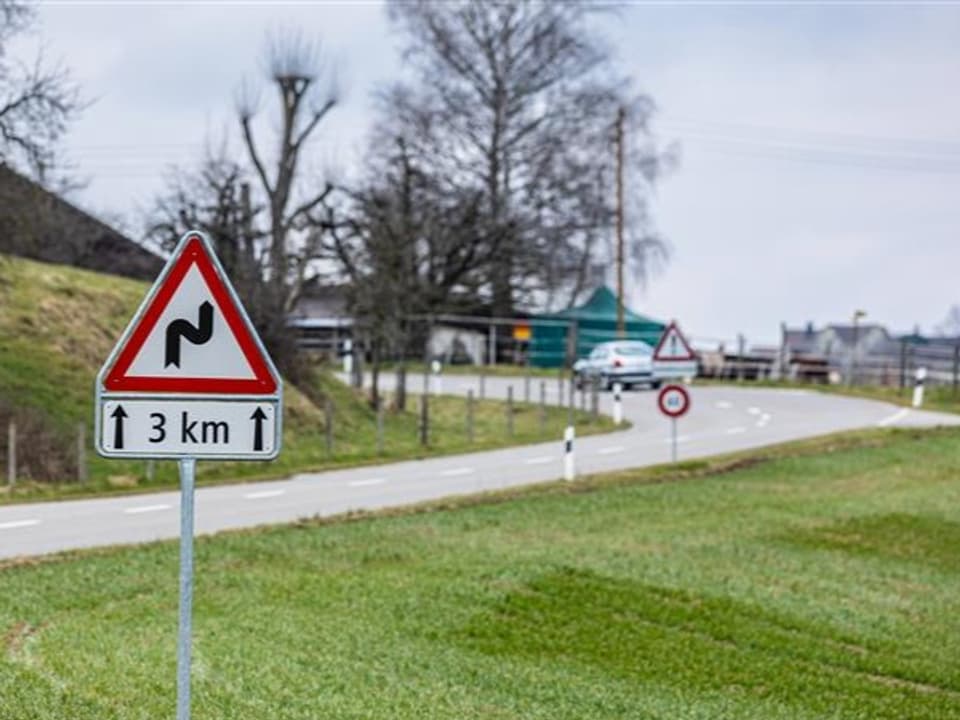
x=409, y=247
x=37, y=100
x=520, y=103
x=267, y=217
x=294, y=204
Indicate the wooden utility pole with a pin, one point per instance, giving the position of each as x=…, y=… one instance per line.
x=621, y=325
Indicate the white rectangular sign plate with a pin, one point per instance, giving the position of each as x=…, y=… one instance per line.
x=193, y=427
x=667, y=369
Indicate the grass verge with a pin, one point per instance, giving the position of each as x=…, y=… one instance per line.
x=813, y=580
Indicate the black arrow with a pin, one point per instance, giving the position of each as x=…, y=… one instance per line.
x=119, y=414
x=198, y=334
x=258, y=417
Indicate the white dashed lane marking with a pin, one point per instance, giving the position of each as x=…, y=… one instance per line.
x=146, y=509
x=754, y=410
x=18, y=524
x=723, y=405
x=364, y=483
x=264, y=494
x=611, y=450
x=735, y=430
x=454, y=472
x=896, y=417
x=540, y=460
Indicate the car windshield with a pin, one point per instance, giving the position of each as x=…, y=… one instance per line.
x=632, y=350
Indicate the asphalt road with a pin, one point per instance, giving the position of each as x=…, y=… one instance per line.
x=722, y=419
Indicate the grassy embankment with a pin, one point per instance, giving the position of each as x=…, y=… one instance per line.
x=57, y=326
x=819, y=580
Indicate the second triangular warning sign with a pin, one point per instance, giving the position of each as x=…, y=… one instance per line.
x=191, y=335
x=673, y=346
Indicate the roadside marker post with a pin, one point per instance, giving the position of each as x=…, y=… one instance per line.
x=674, y=402
x=435, y=368
x=569, y=466
x=617, y=404
x=188, y=380
x=918, y=387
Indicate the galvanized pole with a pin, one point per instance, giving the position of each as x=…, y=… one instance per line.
x=526, y=385
x=510, y=410
x=483, y=381
x=621, y=326
x=673, y=426
x=560, y=387
x=187, y=477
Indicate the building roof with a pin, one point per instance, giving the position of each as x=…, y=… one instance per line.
x=39, y=224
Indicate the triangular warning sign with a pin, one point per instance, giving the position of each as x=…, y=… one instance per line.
x=673, y=346
x=191, y=335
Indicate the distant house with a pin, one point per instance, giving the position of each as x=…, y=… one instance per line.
x=320, y=318
x=39, y=224
x=840, y=340
x=869, y=352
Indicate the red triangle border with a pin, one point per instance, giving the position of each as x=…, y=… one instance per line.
x=663, y=338
x=194, y=252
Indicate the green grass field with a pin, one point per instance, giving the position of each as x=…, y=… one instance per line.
x=819, y=580
x=57, y=326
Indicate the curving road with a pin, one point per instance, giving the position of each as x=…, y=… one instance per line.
x=722, y=419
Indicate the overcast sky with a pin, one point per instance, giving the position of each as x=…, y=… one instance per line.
x=820, y=166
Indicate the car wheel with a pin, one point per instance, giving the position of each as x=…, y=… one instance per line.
x=655, y=385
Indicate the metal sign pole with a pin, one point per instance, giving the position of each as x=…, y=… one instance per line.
x=188, y=468
x=673, y=425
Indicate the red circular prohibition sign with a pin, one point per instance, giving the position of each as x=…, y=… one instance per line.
x=673, y=400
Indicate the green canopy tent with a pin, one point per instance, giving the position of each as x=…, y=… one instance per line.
x=593, y=323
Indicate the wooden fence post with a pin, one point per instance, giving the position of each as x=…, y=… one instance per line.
x=380, y=426
x=424, y=419
x=11, y=454
x=470, y=416
x=328, y=422
x=81, y=452
x=543, y=406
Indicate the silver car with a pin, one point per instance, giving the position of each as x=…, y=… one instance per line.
x=628, y=362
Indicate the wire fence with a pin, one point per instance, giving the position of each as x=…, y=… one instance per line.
x=557, y=343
